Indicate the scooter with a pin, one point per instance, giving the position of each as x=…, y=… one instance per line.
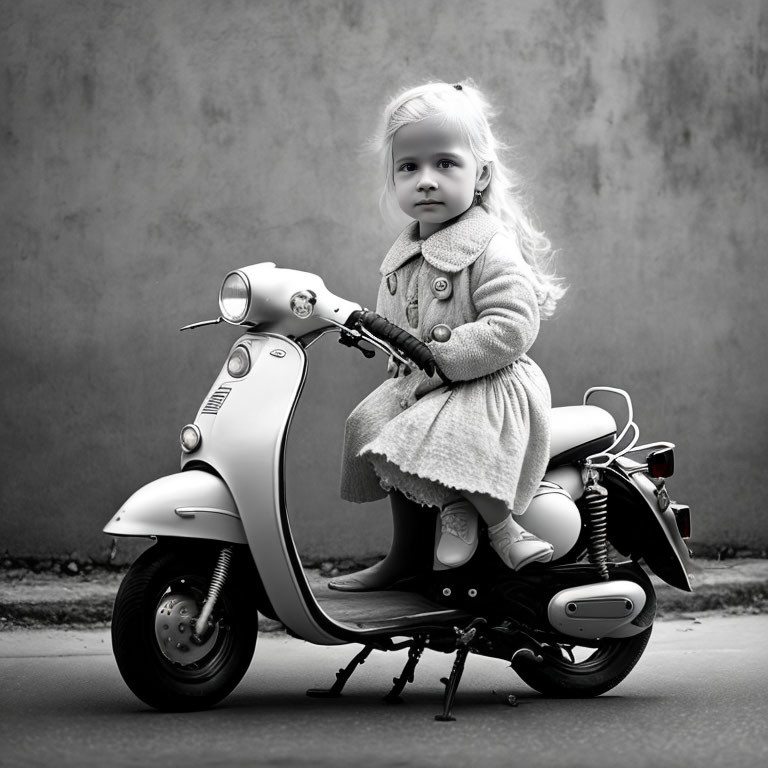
x=185, y=618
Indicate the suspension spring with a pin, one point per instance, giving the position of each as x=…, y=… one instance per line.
x=596, y=502
x=220, y=573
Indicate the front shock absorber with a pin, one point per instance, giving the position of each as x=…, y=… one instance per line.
x=220, y=573
x=596, y=502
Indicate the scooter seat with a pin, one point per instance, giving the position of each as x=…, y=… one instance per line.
x=579, y=431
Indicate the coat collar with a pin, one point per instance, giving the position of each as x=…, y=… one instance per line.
x=450, y=249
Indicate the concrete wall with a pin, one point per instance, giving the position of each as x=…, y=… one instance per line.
x=148, y=147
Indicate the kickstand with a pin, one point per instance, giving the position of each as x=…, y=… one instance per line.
x=463, y=640
x=406, y=676
x=341, y=677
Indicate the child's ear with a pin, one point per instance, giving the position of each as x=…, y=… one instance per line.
x=483, y=177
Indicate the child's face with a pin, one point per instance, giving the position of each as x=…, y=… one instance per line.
x=435, y=174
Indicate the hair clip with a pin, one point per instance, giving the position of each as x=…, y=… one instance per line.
x=458, y=86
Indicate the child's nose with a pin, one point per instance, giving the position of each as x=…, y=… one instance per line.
x=426, y=181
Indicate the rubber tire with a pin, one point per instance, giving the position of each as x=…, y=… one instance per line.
x=155, y=679
x=606, y=667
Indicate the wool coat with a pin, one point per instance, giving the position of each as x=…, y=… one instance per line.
x=486, y=432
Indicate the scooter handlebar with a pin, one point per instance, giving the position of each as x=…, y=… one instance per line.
x=403, y=342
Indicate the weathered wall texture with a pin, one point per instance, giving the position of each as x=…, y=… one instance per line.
x=149, y=147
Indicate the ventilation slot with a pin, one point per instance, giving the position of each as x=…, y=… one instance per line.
x=216, y=400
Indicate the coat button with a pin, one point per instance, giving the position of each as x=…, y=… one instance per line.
x=441, y=287
x=440, y=333
x=392, y=283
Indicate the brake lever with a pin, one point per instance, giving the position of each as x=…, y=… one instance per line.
x=391, y=352
x=351, y=337
x=348, y=340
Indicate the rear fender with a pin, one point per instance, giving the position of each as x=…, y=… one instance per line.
x=192, y=504
x=637, y=526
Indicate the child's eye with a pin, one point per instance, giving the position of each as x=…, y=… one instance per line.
x=445, y=164
x=407, y=167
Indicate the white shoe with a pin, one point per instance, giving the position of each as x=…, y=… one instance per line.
x=517, y=547
x=458, y=535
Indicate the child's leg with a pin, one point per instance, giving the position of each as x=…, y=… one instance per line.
x=410, y=553
x=513, y=544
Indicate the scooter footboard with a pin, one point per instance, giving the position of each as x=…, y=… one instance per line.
x=192, y=504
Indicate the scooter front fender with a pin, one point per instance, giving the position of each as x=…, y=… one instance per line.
x=192, y=504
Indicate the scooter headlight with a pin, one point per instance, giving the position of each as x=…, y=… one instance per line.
x=190, y=438
x=235, y=297
x=239, y=362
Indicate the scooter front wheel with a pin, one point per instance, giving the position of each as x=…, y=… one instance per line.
x=157, y=651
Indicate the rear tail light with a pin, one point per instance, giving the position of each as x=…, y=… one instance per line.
x=682, y=514
x=661, y=463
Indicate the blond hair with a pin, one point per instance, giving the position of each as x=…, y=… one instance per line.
x=463, y=107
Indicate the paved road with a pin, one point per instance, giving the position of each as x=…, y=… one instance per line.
x=696, y=698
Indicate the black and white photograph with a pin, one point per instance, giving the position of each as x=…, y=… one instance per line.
x=383, y=383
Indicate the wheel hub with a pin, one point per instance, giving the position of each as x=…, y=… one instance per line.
x=175, y=630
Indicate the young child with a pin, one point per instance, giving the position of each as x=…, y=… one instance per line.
x=467, y=277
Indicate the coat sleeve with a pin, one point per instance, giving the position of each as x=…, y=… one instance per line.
x=507, y=322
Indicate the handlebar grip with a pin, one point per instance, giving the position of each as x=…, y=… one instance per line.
x=403, y=341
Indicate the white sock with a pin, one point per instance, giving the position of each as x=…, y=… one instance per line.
x=507, y=523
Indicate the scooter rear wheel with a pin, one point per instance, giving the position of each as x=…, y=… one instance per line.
x=152, y=628
x=564, y=674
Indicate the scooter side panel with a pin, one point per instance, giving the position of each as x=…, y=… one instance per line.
x=243, y=430
x=606, y=609
x=191, y=504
